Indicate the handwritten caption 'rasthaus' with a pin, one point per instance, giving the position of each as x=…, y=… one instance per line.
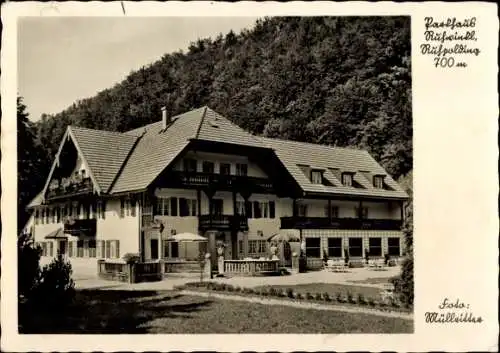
x=450, y=41
x=452, y=312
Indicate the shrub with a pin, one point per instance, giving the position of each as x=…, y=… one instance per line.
x=318, y=296
x=250, y=290
x=387, y=257
x=131, y=258
x=372, y=302
x=264, y=292
x=230, y=288
x=339, y=297
x=391, y=263
x=361, y=299
x=350, y=298
x=326, y=297
x=309, y=296
x=300, y=296
x=289, y=293
x=56, y=288
x=28, y=265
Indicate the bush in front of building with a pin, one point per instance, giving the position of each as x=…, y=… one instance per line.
x=28, y=266
x=131, y=258
x=56, y=288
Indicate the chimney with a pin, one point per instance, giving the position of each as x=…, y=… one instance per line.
x=164, y=118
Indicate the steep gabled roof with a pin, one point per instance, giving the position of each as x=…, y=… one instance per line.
x=104, y=151
x=294, y=155
x=157, y=148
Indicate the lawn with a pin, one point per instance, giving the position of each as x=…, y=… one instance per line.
x=332, y=289
x=376, y=280
x=95, y=311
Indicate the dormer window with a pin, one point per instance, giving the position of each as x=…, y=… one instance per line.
x=347, y=179
x=378, y=181
x=316, y=177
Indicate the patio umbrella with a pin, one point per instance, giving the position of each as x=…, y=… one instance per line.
x=284, y=237
x=186, y=237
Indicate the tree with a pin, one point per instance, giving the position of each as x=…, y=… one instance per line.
x=31, y=164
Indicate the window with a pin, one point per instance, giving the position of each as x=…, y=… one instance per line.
x=107, y=253
x=334, y=211
x=240, y=247
x=313, y=247
x=378, y=181
x=101, y=209
x=75, y=210
x=240, y=208
x=217, y=206
x=100, y=249
x=316, y=177
x=262, y=246
x=83, y=173
x=335, y=247
x=208, y=167
x=302, y=210
x=355, y=247
x=50, y=248
x=190, y=165
x=241, y=169
x=393, y=246
x=375, y=246
x=225, y=168
x=347, y=179
x=265, y=209
x=194, y=207
x=54, y=215
x=252, y=246
x=361, y=212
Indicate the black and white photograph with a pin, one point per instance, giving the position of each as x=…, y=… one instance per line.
x=220, y=175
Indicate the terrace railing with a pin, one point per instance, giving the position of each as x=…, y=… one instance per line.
x=69, y=187
x=222, y=222
x=251, y=267
x=339, y=223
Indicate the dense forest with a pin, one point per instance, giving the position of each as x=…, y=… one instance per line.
x=342, y=81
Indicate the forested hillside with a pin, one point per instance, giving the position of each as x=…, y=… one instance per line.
x=340, y=81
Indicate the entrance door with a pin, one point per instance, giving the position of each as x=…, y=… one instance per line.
x=287, y=254
x=154, y=249
x=62, y=247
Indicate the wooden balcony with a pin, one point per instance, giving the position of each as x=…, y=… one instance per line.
x=221, y=182
x=222, y=222
x=339, y=223
x=80, y=227
x=70, y=188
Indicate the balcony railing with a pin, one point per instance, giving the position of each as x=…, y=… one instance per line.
x=339, y=223
x=70, y=188
x=223, y=222
x=80, y=226
x=220, y=181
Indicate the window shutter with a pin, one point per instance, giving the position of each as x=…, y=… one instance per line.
x=256, y=209
x=183, y=207
x=173, y=206
x=107, y=249
x=122, y=208
x=132, y=207
x=248, y=209
x=272, y=210
x=103, y=209
x=117, y=248
x=70, y=249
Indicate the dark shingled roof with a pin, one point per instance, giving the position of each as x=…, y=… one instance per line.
x=104, y=151
x=294, y=155
x=130, y=161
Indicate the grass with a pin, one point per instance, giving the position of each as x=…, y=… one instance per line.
x=330, y=288
x=95, y=311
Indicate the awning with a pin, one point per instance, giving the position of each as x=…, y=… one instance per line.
x=186, y=237
x=56, y=234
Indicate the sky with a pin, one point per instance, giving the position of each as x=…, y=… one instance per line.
x=63, y=59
